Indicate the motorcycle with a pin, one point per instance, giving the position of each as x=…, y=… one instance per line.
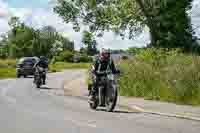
x=106, y=95
x=39, y=73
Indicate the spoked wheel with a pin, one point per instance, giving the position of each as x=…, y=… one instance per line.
x=38, y=82
x=111, y=98
x=93, y=105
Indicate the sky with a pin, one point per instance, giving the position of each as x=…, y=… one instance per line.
x=38, y=13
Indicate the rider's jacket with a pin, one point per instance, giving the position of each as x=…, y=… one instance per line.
x=100, y=66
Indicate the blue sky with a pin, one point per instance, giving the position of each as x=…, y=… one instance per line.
x=38, y=13
x=27, y=3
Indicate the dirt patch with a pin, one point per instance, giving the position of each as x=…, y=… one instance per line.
x=76, y=87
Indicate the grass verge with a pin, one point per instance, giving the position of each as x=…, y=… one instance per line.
x=175, y=79
x=7, y=67
x=7, y=73
x=59, y=66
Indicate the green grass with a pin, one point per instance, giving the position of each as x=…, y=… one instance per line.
x=8, y=63
x=59, y=66
x=7, y=67
x=7, y=73
x=175, y=79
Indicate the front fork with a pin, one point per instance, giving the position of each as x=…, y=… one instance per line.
x=101, y=96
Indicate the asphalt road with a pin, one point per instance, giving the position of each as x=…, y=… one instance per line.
x=25, y=109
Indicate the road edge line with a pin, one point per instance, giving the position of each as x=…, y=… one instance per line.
x=141, y=110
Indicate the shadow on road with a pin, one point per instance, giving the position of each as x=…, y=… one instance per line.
x=46, y=88
x=27, y=77
x=116, y=111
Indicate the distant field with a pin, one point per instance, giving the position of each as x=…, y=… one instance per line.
x=9, y=63
x=7, y=67
x=59, y=66
x=7, y=73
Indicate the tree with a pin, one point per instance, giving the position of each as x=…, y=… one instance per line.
x=23, y=40
x=90, y=42
x=83, y=50
x=167, y=20
x=3, y=46
x=14, y=23
x=19, y=39
x=67, y=44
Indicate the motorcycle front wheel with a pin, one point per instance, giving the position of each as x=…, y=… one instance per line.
x=111, y=98
x=93, y=104
x=38, y=82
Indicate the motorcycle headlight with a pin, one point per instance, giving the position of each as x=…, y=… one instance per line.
x=110, y=76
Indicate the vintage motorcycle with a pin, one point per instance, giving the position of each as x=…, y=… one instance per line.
x=39, y=74
x=106, y=95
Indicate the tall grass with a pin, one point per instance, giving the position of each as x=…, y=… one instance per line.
x=8, y=63
x=175, y=78
x=7, y=73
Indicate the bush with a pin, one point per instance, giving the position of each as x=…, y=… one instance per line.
x=85, y=58
x=124, y=57
x=66, y=56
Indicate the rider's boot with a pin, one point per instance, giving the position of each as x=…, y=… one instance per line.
x=44, y=79
x=34, y=79
x=92, y=96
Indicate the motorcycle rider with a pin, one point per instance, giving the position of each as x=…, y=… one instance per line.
x=43, y=63
x=102, y=64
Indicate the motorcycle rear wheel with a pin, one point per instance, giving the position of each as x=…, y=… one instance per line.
x=38, y=82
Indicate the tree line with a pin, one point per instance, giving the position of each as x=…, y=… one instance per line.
x=22, y=40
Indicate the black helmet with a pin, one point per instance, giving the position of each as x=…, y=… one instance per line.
x=43, y=58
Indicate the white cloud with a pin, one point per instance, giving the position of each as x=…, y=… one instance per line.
x=195, y=13
x=4, y=10
x=52, y=2
x=3, y=26
x=4, y=14
x=42, y=17
x=22, y=13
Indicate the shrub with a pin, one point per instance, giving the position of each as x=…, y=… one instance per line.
x=67, y=56
x=124, y=57
x=85, y=58
x=63, y=56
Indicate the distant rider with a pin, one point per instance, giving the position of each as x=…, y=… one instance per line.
x=43, y=63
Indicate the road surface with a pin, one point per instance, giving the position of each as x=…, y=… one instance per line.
x=25, y=109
